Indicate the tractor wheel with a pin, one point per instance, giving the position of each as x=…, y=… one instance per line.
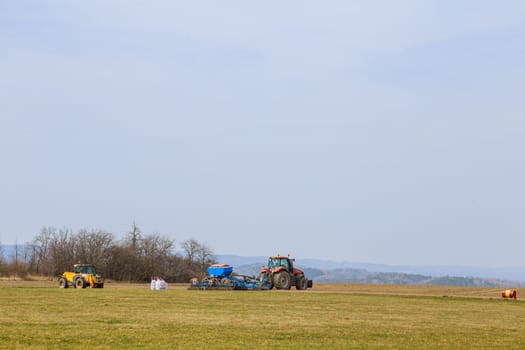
x=275, y=280
x=79, y=283
x=302, y=283
x=282, y=280
x=62, y=282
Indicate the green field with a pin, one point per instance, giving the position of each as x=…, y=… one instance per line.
x=336, y=316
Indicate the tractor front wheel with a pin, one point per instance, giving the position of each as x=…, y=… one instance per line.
x=79, y=283
x=282, y=280
x=62, y=282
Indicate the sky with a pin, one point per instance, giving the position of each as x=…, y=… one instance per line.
x=374, y=131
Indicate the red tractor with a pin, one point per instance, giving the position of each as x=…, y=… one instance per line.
x=281, y=274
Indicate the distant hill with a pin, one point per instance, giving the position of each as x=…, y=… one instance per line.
x=333, y=271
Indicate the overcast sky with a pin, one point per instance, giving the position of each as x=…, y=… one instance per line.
x=374, y=131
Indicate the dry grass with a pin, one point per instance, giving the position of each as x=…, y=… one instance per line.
x=331, y=316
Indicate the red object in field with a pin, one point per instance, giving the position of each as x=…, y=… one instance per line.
x=509, y=293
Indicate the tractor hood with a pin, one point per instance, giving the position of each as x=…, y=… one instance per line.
x=297, y=271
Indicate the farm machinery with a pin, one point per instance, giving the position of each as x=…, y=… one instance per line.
x=281, y=274
x=82, y=276
x=221, y=276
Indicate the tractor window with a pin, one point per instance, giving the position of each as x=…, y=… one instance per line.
x=273, y=263
x=85, y=269
x=284, y=262
x=276, y=262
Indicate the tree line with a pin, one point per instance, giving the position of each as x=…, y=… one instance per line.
x=135, y=258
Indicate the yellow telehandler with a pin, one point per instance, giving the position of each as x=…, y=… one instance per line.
x=82, y=276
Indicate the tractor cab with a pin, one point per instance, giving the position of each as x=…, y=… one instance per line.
x=85, y=269
x=278, y=261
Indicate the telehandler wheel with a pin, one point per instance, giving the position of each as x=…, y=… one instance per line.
x=79, y=283
x=282, y=280
x=302, y=283
x=62, y=283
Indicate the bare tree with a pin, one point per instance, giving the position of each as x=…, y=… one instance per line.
x=155, y=252
x=61, y=250
x=16, y=268
x=191, y=247
x=134, y=236
x=93, y=247
x=122, y=263
x=39, y=262
x=198, y=255
x=205, y=256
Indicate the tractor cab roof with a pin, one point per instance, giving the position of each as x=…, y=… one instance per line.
x=281, y=257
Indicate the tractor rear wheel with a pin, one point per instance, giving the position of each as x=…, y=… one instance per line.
x=282, y=280
x=79, y=283
x=302, y=283
x=62, y=282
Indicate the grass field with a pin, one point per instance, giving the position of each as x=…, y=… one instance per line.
x=38, y=315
